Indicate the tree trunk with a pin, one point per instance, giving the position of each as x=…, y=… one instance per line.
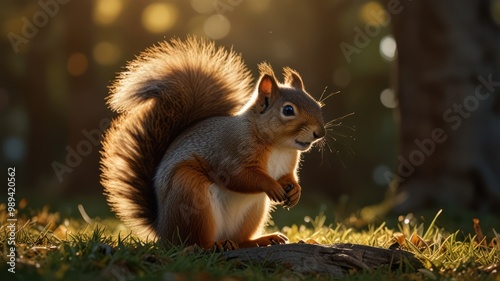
x=448, y=88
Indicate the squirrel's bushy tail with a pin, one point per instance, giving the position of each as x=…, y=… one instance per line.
x=163, y=91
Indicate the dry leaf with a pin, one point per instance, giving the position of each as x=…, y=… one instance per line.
x=480, y=239
x=417, y=241
x=399, y=237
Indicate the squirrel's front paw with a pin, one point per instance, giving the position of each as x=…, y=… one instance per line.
x=276, y=193
x=293, y=190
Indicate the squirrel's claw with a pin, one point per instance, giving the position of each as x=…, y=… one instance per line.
x=288, y=187
x=292, y=195
x=225, y=245
x=292, y=189
x=274, y=239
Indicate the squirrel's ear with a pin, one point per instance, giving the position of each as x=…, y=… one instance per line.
x=267, y=90
x=293, y=78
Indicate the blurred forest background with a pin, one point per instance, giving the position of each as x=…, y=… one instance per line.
x=59, y=56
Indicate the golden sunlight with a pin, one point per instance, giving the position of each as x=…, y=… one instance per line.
x=106, y=11
x=159, y=17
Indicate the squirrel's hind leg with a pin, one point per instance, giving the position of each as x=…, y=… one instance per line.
x=185, y=212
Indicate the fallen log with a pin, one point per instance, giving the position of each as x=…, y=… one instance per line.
x=335, y=260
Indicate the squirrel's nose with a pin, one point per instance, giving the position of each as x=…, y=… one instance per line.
x=319, y=133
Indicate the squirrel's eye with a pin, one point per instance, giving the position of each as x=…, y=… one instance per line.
x=288, y=110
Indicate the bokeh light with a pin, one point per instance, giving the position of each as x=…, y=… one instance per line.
x=388, y=48
x=373, y=13
x=77, y=64
x=388, y=98
x=159, y=17
x=107, y=11
x=217, y=26
x=106, y=53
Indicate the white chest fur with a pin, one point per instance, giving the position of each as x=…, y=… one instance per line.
x=281, y=162
x=230, y=208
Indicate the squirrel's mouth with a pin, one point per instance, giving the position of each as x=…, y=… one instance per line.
x=303, y=144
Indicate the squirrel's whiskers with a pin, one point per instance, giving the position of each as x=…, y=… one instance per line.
x=335, y=137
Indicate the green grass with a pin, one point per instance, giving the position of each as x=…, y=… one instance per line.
x=52, y=247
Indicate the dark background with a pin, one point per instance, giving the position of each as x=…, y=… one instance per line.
x=59, y=57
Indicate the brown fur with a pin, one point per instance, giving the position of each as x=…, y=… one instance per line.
x=187, y=222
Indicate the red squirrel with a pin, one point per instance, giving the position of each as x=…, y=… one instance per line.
x=195, y=156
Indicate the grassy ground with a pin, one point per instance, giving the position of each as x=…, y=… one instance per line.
x=50, y=246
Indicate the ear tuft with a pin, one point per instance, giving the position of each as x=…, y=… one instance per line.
x=292, y=78
x=266, y=69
